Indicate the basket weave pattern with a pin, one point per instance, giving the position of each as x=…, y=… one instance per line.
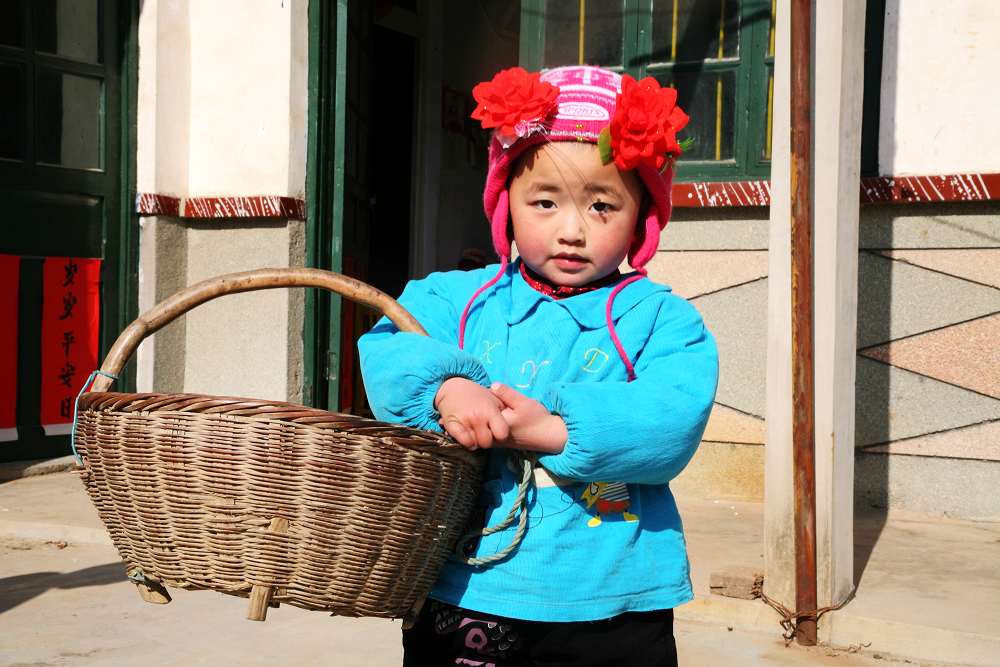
x=187, y=486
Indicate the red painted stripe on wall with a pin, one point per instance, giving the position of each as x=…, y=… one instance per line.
x=148, y=203
x=936, y=188
x=216, y=208
x=875, y=190
x=723, y=193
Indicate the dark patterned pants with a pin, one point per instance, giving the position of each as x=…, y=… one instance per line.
x=448, y=635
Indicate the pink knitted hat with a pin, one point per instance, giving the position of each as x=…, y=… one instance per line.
x=585, y=106
x=580, y=103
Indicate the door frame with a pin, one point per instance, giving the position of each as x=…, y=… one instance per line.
x=128, y=217
x=324, y=209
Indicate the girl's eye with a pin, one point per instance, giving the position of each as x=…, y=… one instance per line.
x=545, y=204
x=602, y=207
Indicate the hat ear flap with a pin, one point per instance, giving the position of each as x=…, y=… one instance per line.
x=498, y=224
x=646, y=239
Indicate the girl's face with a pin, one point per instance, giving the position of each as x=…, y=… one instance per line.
x=573, y=216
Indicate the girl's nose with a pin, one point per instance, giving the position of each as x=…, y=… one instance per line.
x=571, y=227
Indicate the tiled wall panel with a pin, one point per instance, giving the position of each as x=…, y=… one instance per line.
x=929, y=353
x=928, y=375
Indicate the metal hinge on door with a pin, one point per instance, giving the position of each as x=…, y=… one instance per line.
x=332, y=366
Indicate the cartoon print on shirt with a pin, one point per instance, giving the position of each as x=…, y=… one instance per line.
x=487, y=356
x=594, y=360
x=535, y=367
x=610, y=498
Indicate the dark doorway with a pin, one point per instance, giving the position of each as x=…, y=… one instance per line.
x=393, y=128
x=379, y=128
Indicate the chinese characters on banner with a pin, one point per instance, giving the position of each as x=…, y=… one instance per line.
x=70, y=320
x=10, y=270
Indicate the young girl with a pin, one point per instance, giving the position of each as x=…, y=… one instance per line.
x=608, y=378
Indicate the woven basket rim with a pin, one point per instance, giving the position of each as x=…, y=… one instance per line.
x=253, y=409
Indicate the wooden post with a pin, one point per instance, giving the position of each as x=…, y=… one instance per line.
x=260, y=595
x=152, y=592
x=803, y=394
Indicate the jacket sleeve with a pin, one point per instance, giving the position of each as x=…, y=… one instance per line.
x=403, y=371
x=644, y=431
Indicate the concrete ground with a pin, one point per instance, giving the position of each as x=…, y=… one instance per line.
x=70, y=605
x=926, y=587
x=64, y=599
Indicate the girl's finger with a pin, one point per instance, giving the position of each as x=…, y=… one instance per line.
x=458, y=431
x=499, y=428
x=511, y=397
x=495, y=401
x=483, y=436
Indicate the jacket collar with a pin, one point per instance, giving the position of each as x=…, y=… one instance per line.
x=587, y=308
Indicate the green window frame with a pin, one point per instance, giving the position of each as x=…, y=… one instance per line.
x=750, y=71
x=46, y=201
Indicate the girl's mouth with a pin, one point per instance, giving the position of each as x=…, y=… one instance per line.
x=569, y=262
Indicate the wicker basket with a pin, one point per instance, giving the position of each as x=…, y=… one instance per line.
x=270, y=500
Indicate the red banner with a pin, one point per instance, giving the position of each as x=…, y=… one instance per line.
x=71, y=314
x=10, y=272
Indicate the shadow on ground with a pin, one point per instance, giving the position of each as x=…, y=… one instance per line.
x=19, y=589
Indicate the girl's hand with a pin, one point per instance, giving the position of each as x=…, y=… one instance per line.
x=470, y=413
x=532, y=426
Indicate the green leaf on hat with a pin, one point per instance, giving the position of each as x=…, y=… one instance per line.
x=686, y=144
x=604, y=145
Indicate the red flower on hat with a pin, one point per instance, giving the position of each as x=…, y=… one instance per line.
x=514, y=101
x=644, y=127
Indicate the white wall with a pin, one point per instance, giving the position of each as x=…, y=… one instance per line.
x=939, y=93
x=222, y=97
x=248, y=124
x=163, y=106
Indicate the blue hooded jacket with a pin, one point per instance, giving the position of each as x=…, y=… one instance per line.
x=604, y=536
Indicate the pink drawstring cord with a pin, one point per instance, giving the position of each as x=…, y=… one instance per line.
x=468, y=306
x=640, y=274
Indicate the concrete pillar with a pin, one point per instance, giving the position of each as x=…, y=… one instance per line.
x=837, y=94
x=222, y=111
x=840, y=66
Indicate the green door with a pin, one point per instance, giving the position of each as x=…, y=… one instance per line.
x=62, y=192
x=361, y=136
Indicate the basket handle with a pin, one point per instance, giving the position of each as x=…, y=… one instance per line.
x=247, y=281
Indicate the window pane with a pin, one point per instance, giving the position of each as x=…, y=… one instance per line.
x=693, y=30
x=69, y=28
x=68, y=120
x=12, y=112
x=11, y=23
x=710, y=101
x=594, y=40
x=770, y=38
